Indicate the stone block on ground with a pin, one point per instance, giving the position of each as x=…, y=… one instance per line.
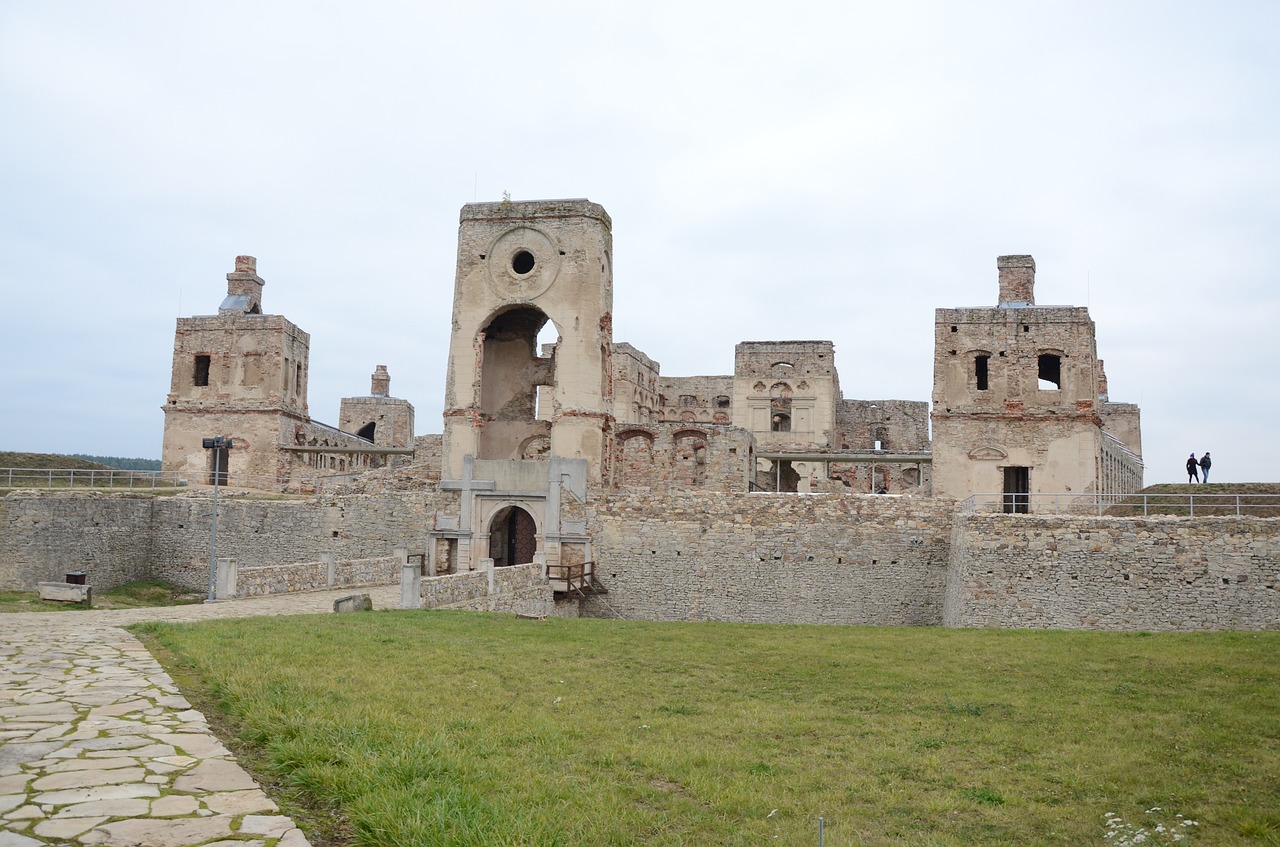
x=66, y=592
x=353, y=603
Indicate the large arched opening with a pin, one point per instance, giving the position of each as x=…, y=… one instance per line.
x=511, y=372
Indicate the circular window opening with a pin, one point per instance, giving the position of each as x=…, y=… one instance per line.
x=522, y=262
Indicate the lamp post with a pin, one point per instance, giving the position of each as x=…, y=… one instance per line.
x=872, y=415
x=219, y=445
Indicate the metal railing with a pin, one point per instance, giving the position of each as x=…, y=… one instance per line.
x=1125, y=505
x=65, y=478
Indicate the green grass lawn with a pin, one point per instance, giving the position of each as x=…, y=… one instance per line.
x=417, y=728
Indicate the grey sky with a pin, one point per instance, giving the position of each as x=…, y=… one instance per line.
x=816, y=171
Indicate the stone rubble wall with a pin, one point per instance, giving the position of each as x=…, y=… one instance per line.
x=520, y=589
x=901, y=426
x=772, y=558
x=118, y=538
x=264, y=532
x=314, y=576
x=46, y=535
x=759, y=557
x=667, y=456
x=1158, y=573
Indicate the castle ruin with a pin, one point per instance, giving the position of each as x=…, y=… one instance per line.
x=538, y=436
x=242, y=374
x=573, y=477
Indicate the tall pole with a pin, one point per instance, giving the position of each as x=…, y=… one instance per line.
x=213, y=528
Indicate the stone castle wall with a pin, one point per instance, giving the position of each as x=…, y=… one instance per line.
x=121, y=538
x=45, y=535
x=757, y=558
x=672, y=456
x=901, y=426
x=314, y=576
x=1114, y=573
x=520, y=589
x=700, y=399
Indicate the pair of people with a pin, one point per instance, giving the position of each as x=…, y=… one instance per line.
x=1203, y=466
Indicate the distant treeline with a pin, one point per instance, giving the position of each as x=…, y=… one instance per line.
x=123, y=464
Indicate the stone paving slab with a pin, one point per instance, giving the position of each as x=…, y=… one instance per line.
x=98, y=746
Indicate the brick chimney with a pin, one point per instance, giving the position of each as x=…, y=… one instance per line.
x=244, y=289
x=380, y=384
x=1017, y=280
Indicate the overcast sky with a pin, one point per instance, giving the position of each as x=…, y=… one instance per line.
x=774, y=171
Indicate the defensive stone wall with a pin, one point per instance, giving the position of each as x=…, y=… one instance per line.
x=521, y=589
x=772, y=558
x=45, y=535
x=1114, y=573
x=258, y=533
x=314, y=576
x=726, y=556
x=120, y=538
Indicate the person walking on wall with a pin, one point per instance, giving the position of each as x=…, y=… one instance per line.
x=1193, y=474
x=1205, y=464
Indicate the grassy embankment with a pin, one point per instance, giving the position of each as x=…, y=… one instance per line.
x=56, y=471
x=404, y=728
x=1255, y=499
x=132, y=595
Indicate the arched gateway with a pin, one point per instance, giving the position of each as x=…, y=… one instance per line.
x=513, y=537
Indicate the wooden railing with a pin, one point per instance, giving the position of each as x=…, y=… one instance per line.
x=577, y=578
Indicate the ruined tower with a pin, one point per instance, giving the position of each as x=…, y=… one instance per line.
x=527, y=422
x=238, y=373
x=243, y=375
x=1019, y=404
x=520, y=266
x=380, y=418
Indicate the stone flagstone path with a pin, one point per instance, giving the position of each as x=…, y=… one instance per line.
x=98, y=747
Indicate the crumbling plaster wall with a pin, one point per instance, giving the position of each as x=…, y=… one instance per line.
x=784, y=393
x=993, y=407
x=255, y=459
x=553, y=257
x=970, y=454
